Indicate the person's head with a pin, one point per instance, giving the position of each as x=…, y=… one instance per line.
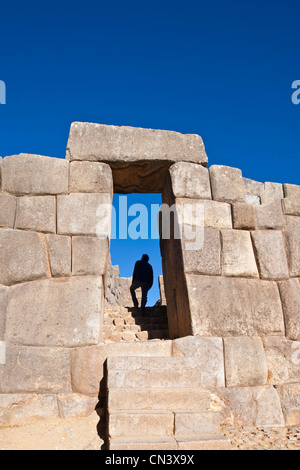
x=145, y=258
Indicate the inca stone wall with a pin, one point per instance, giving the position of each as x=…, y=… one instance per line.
x=233, y=304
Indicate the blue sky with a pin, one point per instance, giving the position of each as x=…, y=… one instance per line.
x=221, y=69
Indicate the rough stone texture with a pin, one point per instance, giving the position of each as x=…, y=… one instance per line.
x=216, y=214
x=254, y=406
x=8, y=205
x=290, y=402
x=18, y=409
x=269, y=215
x=238, y=255
x=140, y=424
x=253, y=188
x=271, y=192
x=36, y=213
x=209, y=356
x=292, y=236
x=77, y=213
x=271, y=255
x=190, y=181
x=3, y=305
x=139, y=158
x=90, y=177
x=89, y=255
x=57, y=312
x=75, y=405
x=227, y=184
x=283, y=358
x=34, y=174
x=35, y=370
x=205, y=422
x=243, y=216
x=290, y=297
x=224, y=306
x=60, y=256
x=207, y=259
x=291, y=203
x=245, y=362
x=23, y=256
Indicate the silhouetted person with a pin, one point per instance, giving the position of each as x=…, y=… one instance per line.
x=142, y=277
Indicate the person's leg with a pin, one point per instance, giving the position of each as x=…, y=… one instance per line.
x=133, y=287
x=145, y=289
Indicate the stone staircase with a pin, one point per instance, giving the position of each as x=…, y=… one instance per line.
x=158, y=403
x=127, y=324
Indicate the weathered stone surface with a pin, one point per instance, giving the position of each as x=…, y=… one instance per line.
x=271, y=255
x=89, y=255
x=206, y=259
x=291, y=191
x=203, y=442
x=209, y=357
x=190, y=180
x=290, y=402
x=254, y=406
x=90, y=177
x=238, y=255
x=290, y=297
x=245, y=362
x=227, y=184
x=75, y=405
x=59, y=247
x=292, y=236
x=291, y=203
x=211, y=214
x=140, y=423
x=56, y=312
x=22, y=256
x=243, y=216
x=35, y=370
x=18, y=409
x=8, y=205
x=271, y=192
x=144, y=443
x=35, y=174
x=283, y=358
x=195, y=422
x=78, y=213
x=139, y=158
x=253, y=188
x=36, y=213
x=253, y=200
x=224, y=306
x=87, y=362
x=269, y=215
x=3, y=305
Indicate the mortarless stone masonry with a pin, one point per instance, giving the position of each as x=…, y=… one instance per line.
x=233, y=303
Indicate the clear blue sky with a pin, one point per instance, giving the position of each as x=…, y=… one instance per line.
x=221, y=69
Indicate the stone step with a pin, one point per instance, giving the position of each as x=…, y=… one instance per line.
x=172, y=443
x=140, y=424
x=157, y=399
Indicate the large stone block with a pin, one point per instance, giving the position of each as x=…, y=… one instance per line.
x=36, y=213
x=89, y=255
x=290, y=402
x=224, y=306
x=3, y=305
x=190, y=180
x=292, y=236
x=90, y=177
x=269, y=215
x=208, y=353
x=60, y=255
x=254, y=406
x=35, y=370
x=139, y=158
x=18, y=409
x=291, y=202
x=227, y=184
x=238, y=256
x=8, y=205
x=82, y=214
x=195, y=422
x=243, y=216
x=206, y=213
x=253, y=188
x=140, y=423
x=283, y=358
x=56, y=312
x=271, y=192
x=245, y=362
x=23, y=256
x=35, y=174
x=290, y=297
x=271, y=255
x=206, y=259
